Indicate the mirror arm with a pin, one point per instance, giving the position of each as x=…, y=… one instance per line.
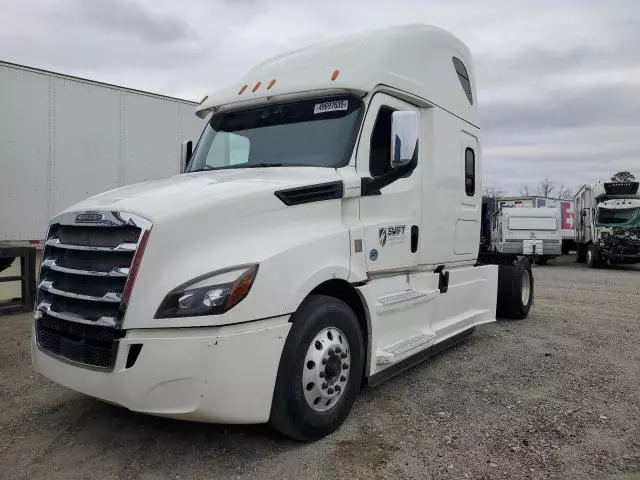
x=186, y=153
x=372, y=186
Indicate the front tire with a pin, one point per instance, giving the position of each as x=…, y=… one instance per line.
x=515, y=290
x=320, y=370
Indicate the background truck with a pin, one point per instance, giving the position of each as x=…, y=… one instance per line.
x=324, y=233
x=532, y=232
x=608, y=226
x=65, y=138
x=565, y=208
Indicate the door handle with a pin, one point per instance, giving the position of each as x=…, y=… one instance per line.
x=415, y=231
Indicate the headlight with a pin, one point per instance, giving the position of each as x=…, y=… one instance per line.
x=209, y=295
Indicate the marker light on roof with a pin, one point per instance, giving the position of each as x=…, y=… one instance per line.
x=256, y=86
x=244, y=87
x=271, y=84
x=335, y=74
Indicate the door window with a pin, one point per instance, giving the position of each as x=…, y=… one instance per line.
x=380, y=148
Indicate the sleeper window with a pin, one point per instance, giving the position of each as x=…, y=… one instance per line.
x=470, y=172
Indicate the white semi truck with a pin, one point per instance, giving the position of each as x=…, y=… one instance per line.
x=532, y=232
x=608, y=226
x=324, y=233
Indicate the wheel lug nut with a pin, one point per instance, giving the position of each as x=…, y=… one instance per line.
x=337, y=387
x=338, y=350
x=343, y=378
x=330, y=352
x=324, y=361
x=323, y=375
x=330, y=391
x=343, y=355
x=345, y=366
x=324, y=385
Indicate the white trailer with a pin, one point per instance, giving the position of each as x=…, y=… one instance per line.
x=532, y=232
x=64, y=138
x=608, y=226
x=566, y=213
x=324, y=233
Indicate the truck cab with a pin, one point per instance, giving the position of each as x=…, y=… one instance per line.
x=608, y=224
x=324, y=232
x=532, y=232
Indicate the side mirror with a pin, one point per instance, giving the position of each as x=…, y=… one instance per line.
x=405, y=130
x=185, y=155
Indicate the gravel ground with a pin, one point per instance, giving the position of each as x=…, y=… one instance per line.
x=553, y=396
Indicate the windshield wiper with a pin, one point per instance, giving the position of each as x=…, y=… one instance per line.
x=250, y=165
x=262, y=165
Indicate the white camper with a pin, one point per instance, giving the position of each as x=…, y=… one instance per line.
x=324, y=233
x=532, y=232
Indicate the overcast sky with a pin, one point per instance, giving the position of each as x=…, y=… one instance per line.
x=558, y=81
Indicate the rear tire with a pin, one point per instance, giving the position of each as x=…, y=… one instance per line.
x=581, y=253
x=306, y=403
x=541, y=261
x=515, y=290
x=594, y=260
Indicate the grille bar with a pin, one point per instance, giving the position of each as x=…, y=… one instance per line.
x=122, y=247
x=112, y=297
x=51, y=264
x=47, y=307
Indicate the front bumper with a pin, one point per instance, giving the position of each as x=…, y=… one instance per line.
x=216, y=374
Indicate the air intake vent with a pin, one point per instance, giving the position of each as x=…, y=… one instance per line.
x=311, y=193
x=621, y=188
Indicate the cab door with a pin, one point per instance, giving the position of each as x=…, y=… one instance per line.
x=390, y=219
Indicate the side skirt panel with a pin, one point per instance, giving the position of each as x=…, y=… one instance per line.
x=417, y=358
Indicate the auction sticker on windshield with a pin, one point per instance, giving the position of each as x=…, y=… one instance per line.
x=332, y=106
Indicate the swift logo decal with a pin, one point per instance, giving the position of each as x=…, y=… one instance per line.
x=392, y=234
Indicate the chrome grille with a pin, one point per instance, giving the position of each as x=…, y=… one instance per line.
x=84, y=274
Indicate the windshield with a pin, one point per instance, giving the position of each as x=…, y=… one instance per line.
x=613, y=216
x=315, y=132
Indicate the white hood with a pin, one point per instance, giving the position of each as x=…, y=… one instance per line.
x=235, y=192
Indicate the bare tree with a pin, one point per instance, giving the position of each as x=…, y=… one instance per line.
x=492, y=192
x=623, y=176
x=525, y=190
x=545, y=188
x=564, y=193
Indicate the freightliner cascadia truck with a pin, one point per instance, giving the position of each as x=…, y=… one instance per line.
x=323, y=234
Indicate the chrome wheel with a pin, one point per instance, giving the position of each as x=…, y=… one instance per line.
x=526, y=287
x=325, y=372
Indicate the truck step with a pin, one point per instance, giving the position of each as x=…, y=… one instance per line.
x=391, y=353
x=403, y=299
